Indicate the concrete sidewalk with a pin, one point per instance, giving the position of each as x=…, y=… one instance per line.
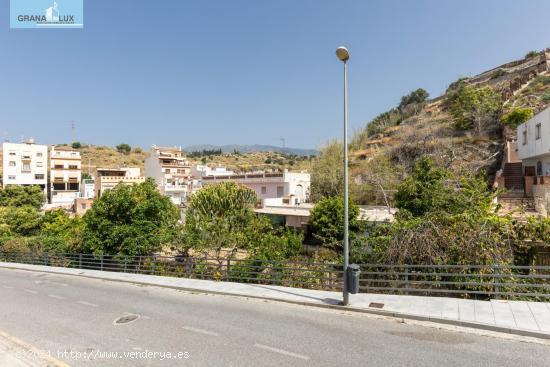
x=514, y=317
x=16, y=353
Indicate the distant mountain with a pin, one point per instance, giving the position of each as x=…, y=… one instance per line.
x=251, y=148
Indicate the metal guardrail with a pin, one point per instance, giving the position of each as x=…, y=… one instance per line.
x=465, y=281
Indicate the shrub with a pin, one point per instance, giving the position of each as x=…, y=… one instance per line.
x=124, y=148
x=517, y=117
x=76, y=145
x=475, y=107
x=327, y=220
x=531, y=54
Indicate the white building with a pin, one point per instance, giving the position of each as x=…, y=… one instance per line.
x=87, y=188
x=25, y=164
x=270, y=185
x=201, y=170
x=533, y=144
x=172, y=172
x=65, y=175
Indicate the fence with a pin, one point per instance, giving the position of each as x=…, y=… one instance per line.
x=466, y=281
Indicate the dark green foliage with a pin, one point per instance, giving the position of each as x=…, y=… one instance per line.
x=205, y=152
x=130, y=220
x=417, y=96
x=22, y=196
x=76, y=145
x=432, y=189
x=327, y=221
x=531, y=54
x=124, y=148
x=517, y=117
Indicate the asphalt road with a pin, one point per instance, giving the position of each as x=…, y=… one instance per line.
x=73, y=319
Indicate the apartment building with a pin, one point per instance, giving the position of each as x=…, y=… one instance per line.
x=25, y=164
x=533, y=144
x=270, y=184
x=171, y=171
x=108, y=178
x=65, y=176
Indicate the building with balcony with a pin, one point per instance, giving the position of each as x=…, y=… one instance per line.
x=171, y=171
x=65, y=176
x=25, y=164
x=270, y=185
x=108, y=178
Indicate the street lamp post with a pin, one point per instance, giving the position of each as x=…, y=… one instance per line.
x=343, y=55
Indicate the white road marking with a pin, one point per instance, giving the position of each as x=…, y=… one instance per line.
x=30, y=291
x=55, y=296
x=7, y=286
x=88, y=304
x=200, y=331
x=281, y=351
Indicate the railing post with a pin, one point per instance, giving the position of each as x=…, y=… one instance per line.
x=80, y=261
x=102, y=262
x=227, y=268
x=407, y=279
x=496, y=280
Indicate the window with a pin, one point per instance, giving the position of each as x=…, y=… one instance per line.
x=38, y=164
x=280, y=191
x=12, y=163
x=11, y=177
x=537, y=131
x=83, y=205
x=26, y=167
x=39, y=176
x=12, y=153
x=39, y=154
x=264, y=190
x=524, y=141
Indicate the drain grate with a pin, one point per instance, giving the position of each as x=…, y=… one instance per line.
x=126, y=319
x=376, y=305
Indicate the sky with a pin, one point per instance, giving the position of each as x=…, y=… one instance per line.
x=186, y=72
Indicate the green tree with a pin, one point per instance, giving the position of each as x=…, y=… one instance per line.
x=23, y=221
x=327, y=178
x=124, y=148
x=424, y=190
x=22, y=196
x=517, y=117
x=130, y=220
x=76, y=145
x=60, y=233
x=217, y=216
x=416, y=96
x=475, y=107
x=327, y=220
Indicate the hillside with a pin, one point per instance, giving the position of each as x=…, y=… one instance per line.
x=230, y=148
x=383, y=153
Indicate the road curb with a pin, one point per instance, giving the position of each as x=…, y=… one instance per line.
x=391, y=314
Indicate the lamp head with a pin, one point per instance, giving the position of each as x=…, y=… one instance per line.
x=342, y=53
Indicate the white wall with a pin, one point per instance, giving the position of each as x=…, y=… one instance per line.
x=534, y=147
